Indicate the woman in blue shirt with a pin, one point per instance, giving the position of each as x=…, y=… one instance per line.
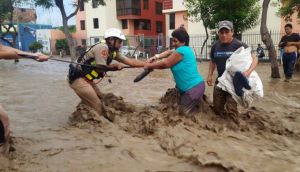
x=182, y=62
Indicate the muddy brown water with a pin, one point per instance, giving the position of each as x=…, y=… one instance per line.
x=145, y=135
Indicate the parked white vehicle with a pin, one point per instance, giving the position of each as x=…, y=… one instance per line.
x=131, y=51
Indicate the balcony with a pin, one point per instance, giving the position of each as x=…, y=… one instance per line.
x=128, y=11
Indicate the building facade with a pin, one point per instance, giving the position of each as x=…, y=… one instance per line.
x=81, y=33
x=141, y=17
x=24, y=15
x=176, y=15
x=133, y=17
x=48, y=38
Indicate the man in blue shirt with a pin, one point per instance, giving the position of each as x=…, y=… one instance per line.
x=220, y=52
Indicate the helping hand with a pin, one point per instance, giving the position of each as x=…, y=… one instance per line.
x=151, y=60
x=41, y=57
x=117, y=66
x=246, y=73
x=209, y=80
x=147, y=66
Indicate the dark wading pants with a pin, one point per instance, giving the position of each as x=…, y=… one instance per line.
x=223, y=102
x=289, y=60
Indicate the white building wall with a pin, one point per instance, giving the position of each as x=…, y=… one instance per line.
x=192, y=28
x=196, y=28
x=178, y=5
x=107, y=17
x=43, y=36
x=273, y=22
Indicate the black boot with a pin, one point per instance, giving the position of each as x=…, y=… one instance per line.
x=2, y=133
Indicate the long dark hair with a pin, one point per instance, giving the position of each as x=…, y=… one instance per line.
x=182, y=35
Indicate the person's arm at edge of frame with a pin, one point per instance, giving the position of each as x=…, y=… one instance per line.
x=12, y=53
x=172, y=59
x=252, y=67
x=8, y=55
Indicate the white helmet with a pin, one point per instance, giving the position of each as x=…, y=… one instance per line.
x=114, y=32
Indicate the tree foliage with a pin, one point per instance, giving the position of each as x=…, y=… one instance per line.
x=200, y=10
x=289, y=8
x=61, y=44
x=4, y=9
x=35, y=46
x=243, y=13
x=72, y=28
x=6, y=14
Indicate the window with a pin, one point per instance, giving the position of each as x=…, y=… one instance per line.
x=83, y=41
x=128, y=7
x=142, y=25
x=81, y=5
x=158, y=7
x=94, y=4
x=172, y=21
x=146, y=4
x=158, y=27
x=124, y=24
x=82, y=24
x=96, y=23
x=96, y=40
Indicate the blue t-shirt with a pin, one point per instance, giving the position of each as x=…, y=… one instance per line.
x=185, y=72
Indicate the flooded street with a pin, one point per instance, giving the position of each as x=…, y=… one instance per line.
x=39, y=103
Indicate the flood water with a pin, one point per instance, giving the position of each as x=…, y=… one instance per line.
x=39, y=103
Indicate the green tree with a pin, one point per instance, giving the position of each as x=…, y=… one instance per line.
x=200, y=10
x=65, y=17
x=288, y=8
x=6, y=18
x=62, y=44
x=72, y=28
x=267, y=40
x=4, y=9
x=243, y=13
x=35, y=46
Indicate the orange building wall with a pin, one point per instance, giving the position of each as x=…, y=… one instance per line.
x=295, y=22
x=80, y=34
x=55, y=35
x=180, y=19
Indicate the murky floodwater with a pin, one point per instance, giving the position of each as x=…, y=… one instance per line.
x=39, y=103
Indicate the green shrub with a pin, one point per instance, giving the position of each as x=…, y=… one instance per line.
x=61, y=44
x=35, y=46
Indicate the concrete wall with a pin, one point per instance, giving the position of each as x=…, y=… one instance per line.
x=55, y=35
x=106, y=15
x=44, y=37
x=80, y=34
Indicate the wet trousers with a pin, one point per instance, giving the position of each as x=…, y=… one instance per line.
x=223, y=102
x=191, y=98
x=289, y=60
x=89, y=93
